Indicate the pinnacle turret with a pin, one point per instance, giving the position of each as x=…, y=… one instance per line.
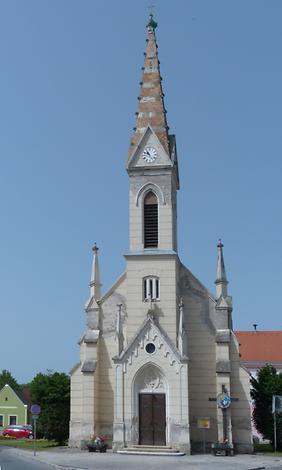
x=221, y=278
x=95, y=284
x=151, y=109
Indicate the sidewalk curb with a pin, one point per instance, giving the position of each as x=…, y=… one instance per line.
x=53, y=465
x=28, y=455
x=256, y=468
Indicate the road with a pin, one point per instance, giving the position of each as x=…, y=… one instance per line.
x=75, y=459
x=11, y=461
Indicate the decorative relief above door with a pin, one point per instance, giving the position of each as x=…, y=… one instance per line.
x=151, y=381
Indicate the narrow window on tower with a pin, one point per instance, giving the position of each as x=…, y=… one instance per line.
x=151, y=288
x=150, y=221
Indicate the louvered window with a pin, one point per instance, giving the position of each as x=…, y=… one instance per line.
x=151, y=221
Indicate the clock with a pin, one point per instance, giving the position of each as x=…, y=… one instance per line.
x=149, y=154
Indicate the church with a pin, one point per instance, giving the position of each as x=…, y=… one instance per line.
x=159, y=362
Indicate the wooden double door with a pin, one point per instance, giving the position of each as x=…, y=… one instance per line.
x=152, y=419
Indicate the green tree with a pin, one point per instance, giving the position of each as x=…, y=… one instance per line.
x=52, y=392
x=7, y=378
x=267, y=384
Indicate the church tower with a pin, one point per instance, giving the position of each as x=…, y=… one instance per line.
x=152, y=163
x=154, y=181
x=158, y=357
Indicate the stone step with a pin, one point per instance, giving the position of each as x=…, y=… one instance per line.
x=150, y=450
x=140, y=447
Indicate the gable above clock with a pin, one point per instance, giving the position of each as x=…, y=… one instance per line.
x=149, y=152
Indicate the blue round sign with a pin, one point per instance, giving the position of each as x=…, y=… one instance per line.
x=35, y=409
x=223, y=400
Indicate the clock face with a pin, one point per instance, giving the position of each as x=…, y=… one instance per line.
x=149, y=154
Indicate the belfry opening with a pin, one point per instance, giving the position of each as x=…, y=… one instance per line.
x=150, y=221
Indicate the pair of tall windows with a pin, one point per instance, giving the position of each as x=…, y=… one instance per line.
x=151, y=288
x=151, y=229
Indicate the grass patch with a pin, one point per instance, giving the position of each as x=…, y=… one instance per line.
x=41, y=444
x=266, y=449
x=263, y=448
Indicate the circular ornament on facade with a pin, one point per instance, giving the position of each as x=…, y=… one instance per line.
x=150, y=348
x=223, y=400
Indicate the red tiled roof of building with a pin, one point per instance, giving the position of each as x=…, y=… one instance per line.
x=260, y=346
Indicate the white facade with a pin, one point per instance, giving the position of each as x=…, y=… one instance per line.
x=154, y=358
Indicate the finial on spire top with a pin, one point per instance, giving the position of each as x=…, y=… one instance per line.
x=220, y=244
x=151, y=26
x=95, y=248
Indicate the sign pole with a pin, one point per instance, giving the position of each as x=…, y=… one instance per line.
x=275, y=437
x=276, y=407
x=34, y=437
x=224, y=419
x=35, y=410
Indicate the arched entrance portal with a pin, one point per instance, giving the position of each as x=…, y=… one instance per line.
x=150, y=390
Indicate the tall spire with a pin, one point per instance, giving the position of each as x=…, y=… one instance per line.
x=95, y=284
x=151, y=109
x=221, y=278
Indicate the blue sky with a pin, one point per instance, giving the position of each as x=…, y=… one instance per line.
x=69, y=82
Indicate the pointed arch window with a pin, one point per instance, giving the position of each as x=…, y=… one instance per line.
x=151, y=221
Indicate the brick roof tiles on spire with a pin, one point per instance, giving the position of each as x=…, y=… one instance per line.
x=151, y=109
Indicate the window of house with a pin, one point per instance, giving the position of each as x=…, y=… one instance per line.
x=150, y=221
x=151, y=288
x=1, y=420
x=12, y=420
